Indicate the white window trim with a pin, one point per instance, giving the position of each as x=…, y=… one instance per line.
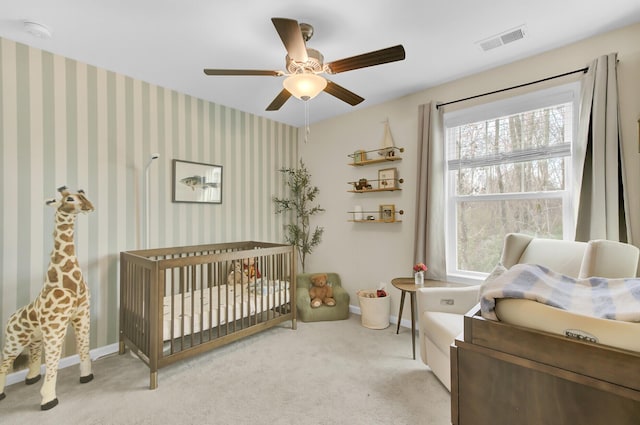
x=535, y=100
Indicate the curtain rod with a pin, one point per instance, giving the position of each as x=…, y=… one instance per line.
x=514, y=87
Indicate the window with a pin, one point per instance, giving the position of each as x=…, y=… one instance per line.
x=508, y=170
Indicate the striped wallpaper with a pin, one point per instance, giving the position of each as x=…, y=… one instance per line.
x=65, y=122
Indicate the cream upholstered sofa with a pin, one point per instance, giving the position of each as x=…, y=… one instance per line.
x=441, y=310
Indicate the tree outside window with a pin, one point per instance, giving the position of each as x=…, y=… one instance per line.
x=506, y=173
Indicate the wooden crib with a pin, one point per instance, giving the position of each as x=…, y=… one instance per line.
x=179, y=302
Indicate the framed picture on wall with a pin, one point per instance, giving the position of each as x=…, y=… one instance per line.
x=197, y=182
x=388, y=178
x=388, y=212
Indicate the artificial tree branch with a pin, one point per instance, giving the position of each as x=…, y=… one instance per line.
x=299, y=234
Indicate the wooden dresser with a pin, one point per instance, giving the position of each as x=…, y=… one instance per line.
x=505, y=375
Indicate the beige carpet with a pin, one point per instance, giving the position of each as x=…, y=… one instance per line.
x=322, y=373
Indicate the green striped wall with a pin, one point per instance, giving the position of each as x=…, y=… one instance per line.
x=65, y=122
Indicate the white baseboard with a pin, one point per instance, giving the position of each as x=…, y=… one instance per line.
x=95, y=354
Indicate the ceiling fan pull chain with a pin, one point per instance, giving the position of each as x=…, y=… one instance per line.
x=306, y=121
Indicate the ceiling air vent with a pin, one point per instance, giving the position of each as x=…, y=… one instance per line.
x=502, y=39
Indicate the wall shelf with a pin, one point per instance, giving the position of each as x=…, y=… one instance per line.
x=388, y=183
x=363, y=183
x=375, y=161
x=376, y=216
x=375, y=221
x=373, y=190
x=359, y=158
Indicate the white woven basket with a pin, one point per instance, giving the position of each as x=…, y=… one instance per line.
x=374, y=312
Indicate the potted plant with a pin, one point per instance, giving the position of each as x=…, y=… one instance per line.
x=303, y=193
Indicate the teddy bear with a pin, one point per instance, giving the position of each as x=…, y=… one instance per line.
x=320, y=292
x=244, y=271
x=237, y=275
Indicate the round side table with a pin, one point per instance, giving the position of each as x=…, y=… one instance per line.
x=407, y=284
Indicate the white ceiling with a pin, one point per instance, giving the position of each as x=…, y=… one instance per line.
x=169, y=42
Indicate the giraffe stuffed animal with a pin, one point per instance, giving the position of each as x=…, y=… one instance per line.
x=64, y=300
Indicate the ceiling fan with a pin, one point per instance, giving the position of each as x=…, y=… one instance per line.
x=303, y=66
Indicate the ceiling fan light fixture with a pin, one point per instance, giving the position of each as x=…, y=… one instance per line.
x=304, y=86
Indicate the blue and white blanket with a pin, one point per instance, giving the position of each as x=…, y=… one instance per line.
x=616, y=299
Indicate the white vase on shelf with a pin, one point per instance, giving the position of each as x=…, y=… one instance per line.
x=419, y=278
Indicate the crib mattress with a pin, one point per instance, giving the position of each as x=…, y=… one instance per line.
x=538, y=316
x=190, y=312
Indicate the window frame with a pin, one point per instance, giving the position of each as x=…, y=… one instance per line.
x=565, y=93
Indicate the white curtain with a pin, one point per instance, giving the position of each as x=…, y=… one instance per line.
x=429, y=243
x=601, y=210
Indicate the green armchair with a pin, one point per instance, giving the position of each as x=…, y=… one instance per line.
x=306, y=313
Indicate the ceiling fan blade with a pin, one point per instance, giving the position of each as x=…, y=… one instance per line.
x=378, y=57
x=242, y=72
x=277, y=103
x=343, y=94
x=289, y=32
